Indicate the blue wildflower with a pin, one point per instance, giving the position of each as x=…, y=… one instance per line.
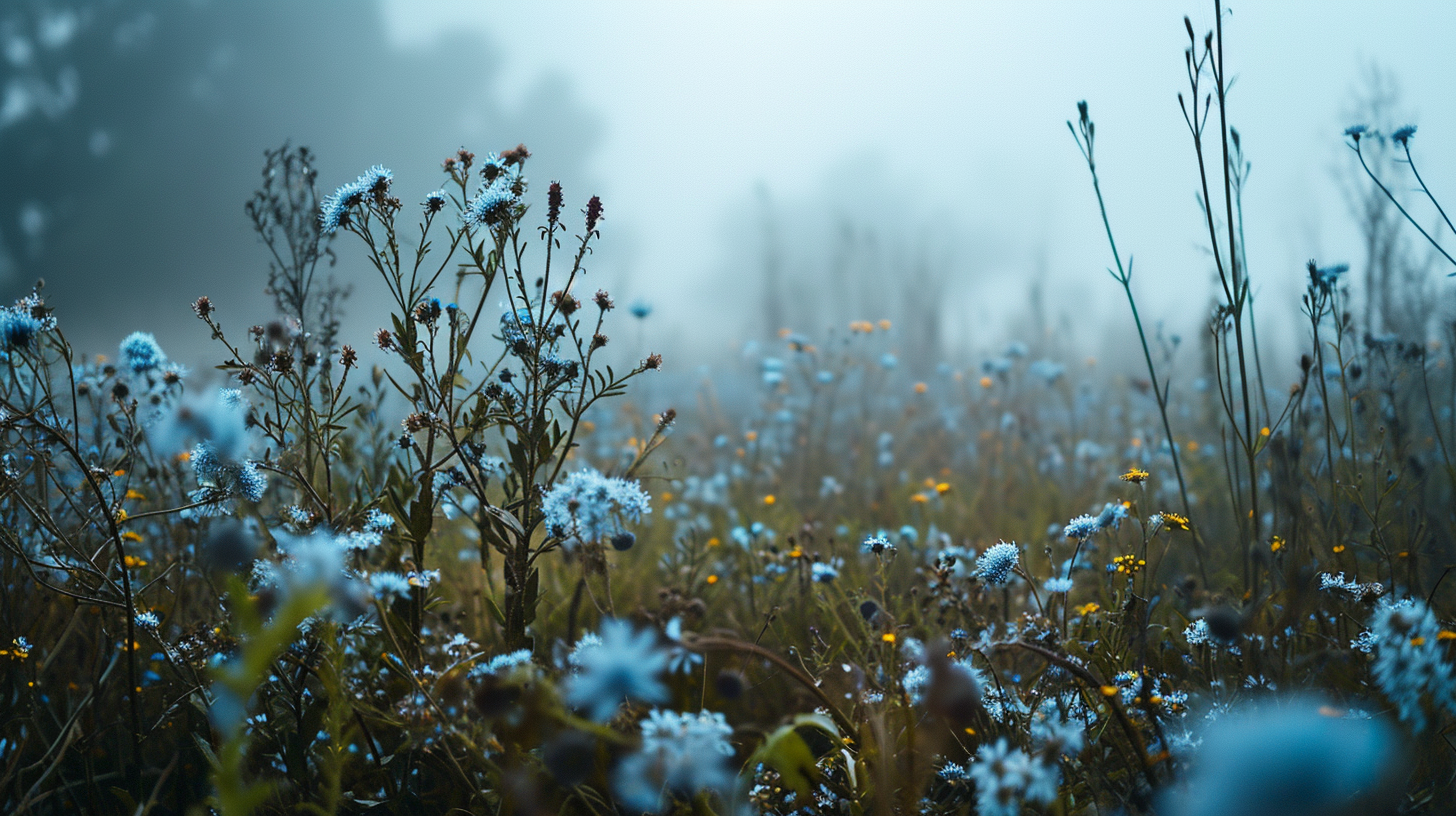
x=995, y=564
x=640, y=309
x=376, y=180
x=681, y=756
x=148, y=620
x=587, y=506
x=1058, y=585
x=875, y=544
x=493, y=203
x=1410, y=662
x=1082, y=527
x=1047, y=370
x=221, y=480
x=823, y=573
x=19, y=324
x=389, y=584
x=1326, y=277
x=915, y=681
x=1403, y=135
x=434, y=202
x=501, y=664
x=334, y=212
x=624, y=664
x=1006, y=777
x=1291, y=759
x=140, y=352
x=1356, y=131
x=1111, y=516
x=680, y=659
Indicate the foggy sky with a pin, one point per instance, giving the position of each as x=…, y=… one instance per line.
x=940, y=125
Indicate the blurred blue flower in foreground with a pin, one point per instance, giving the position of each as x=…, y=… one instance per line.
x=1006, y=776
x=625, y=664
x=681, y=755
x=1297, y=758
x=1410, y=660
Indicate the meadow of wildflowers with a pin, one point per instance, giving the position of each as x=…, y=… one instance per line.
x=476, y=576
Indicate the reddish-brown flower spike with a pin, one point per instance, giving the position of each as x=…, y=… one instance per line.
x=553, y=202
x=202, y=306
x=348, y=357
x=654, y=362
x=593, y=213
x=384, y=338
x=603, y=300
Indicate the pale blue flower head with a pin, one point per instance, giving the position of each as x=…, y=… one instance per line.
x=587, y=506
x=625, y=665
x=1082, y=527
x=140, y=353
x=682, y=755
x=995, y=565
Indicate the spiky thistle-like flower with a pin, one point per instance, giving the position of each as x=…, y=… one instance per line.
x=995, y=565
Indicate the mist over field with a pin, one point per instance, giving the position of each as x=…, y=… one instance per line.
x=752, y=408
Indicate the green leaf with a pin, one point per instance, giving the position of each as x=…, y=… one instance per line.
x=786, y=752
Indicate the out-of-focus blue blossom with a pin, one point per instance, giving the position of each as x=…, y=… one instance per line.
x=624, y=665
x=915, y=681
x=681, y=755
x=1058, y=735
x=888, y=361
x=1410, y=664
x=1058, y=585
x=504, y=663
x=1047, y=371
x=1111, y=516
x=219, y=419
x=1327, y=277
x=319, y=559
x=824, y=377
x=680, y=659
x=1016, y=349
x=908, y=535
x=1403, y=135
x=1006, y=777
x=140, y=353
x=148, y=620
x=996, y=563
x=587, y=506
x=640, y=309
x=1289, y=759
x=389, y=584
x=957, y=560
x=773, y=371
x=824, y=573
